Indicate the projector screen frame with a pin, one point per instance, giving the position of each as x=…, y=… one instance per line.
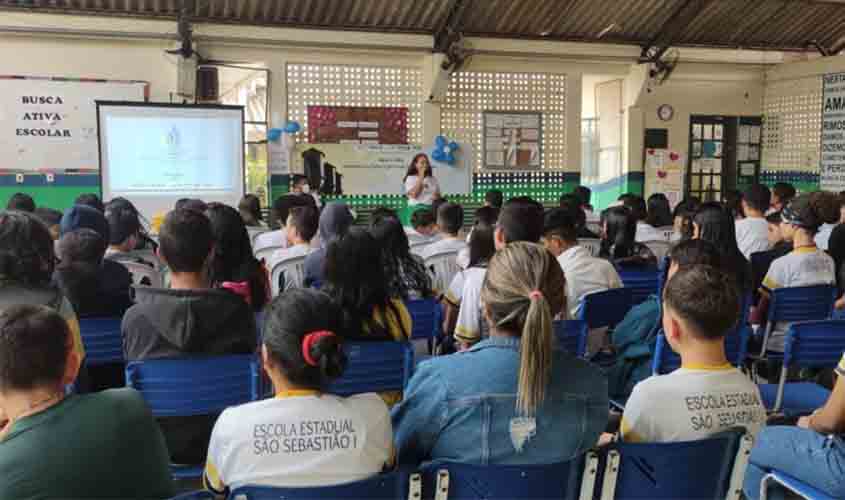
x=139, y=104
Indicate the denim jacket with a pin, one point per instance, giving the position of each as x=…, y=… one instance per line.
x=462, y=408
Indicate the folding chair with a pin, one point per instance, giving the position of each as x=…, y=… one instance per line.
x=266, y=253
x=591, y=244
x=102, y=340
x=641, y=283
x=606, y=308
x=802, y=303
x=293, y=271
x=183, y=387
x=444, y=267
x=706, y=469
x=389, y=486
x=571, y=336
x=374, y=367
x=427, y=320
x=808, y=344
x=562, y=481
x=659, y=248
x=144, y=275
x=796, y=486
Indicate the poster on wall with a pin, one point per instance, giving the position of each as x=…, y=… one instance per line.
x=512, y=141
x=664, y=173
x=50, y=124
x=832, y=162
x=357, y=125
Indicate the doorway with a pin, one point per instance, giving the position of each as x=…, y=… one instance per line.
x=724, y=155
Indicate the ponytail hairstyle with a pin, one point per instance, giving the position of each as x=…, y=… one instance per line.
x=522, y=293
x=301, y=336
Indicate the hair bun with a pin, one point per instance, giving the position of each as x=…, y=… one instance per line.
x=328, y=353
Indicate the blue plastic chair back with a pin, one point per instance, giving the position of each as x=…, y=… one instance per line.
x=606, y=308
x=390, y=486
x=195, y=495
x=374, y=367
x=814, y=344
x=179, y=387
x=800, y=488
x=641, y=283
x=691, y=469
x=102, y=340
x=505, y=482
x=571, y=336
x=425, y=318
x=803, y=303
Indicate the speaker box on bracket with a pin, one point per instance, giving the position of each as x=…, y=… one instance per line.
x=208, y=85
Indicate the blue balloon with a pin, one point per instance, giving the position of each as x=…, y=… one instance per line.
x=440, y=141
x=273, y=134
x=438, y=155
x=453, y=146
x=450, y=159
x=292, y=127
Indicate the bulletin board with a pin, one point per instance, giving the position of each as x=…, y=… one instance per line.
x=512, y=141
x=357, y=125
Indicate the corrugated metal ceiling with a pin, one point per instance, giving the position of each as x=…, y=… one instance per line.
x=772, y=24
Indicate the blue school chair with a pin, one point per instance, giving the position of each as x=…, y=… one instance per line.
x=641, y=283
x=389, y=486
x=803, y=303
x=374, y=367
x=562, y=481
x=184, y=387
x=426, y=320
x=571, y=336
x=606, y=308
x=796, y=486
x=808, y=344
x=706, y=469
x=102, y=340
x=195, y=495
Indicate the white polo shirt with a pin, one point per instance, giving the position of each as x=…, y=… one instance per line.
x=692, y=403
x=447, y=244
x=752, y=235
x=470, y=326
x=584, y=275
x=426, y=196
x=647, y=232
x=278, y=238
x=300, y=439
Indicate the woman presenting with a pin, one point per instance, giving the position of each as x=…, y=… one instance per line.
x=421, y=187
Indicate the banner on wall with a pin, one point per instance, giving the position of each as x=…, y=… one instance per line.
x=51, y=123
x=664, y=173
x=832, y=161
x=357, y=125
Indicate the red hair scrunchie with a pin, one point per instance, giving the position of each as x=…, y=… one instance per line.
x=309, y=340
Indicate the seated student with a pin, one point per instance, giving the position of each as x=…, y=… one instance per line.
x=812, y=452
x=512, y=398
x=51, y=218
x=682, y=217
x=302, y=352
x=423, y=228
x=90, y=200
x=716, y=225
x=233, y=265
x=572, y=204
x=279, y=215
x=125, y=233
x=480, y=250
x=752, y=232
x=700, y=305
x=487, y=216
x=190, y=318
x=830, y=216
x=450, y=220
x=585, y=194
x=584, y=274
x=335, y=221
x=250, y=209
x=494, y=198
x=110, y=446
x=21, y=202
x=806, y=265
x=190, y=204
x=301, y=227
x=406, y=274
x=144, y=241
x=782, y=194
x=618, y=243
x=733, y=203
x=658, y=218
x=521, y=219
x=635, y=336
x=302, y=187
x=761, y=261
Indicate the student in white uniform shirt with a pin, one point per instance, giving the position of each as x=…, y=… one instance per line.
x=423, y=229
x=301, y=227
x=279, y=214
x=830, y=216
x=302, y=437
x=301, y=186
x=706, y=395
x=479, y=252
x=450, y=220
x=484, y=216
x=421, y=186
x=658, y=221
x=752, y=232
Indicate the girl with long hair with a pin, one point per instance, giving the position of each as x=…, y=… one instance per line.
x=619, y=243
x=406, y=273
x=714, y=223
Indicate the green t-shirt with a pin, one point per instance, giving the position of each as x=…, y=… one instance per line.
x=101, y=445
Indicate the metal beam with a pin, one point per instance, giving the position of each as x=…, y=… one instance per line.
x=452, y=23
x=674, y=25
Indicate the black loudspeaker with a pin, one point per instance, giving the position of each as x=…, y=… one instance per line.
x=328, y=179
x=208, y=84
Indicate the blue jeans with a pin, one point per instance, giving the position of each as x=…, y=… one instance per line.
x=813, y=458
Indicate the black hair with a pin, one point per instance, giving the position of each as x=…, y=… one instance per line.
x=620, y=233
x=281, y=207
x=825, y=206
x=758, y=197
x=185, y=240
x=836, y=249
x=686, y=211
x=233, y=258
x=298, y=179
x=34, y=342
x=144, y=239
x=569, y=199
x=250, y=209
x=82, y=254
x=706, y=298
x=774, y=218
x=521, y=219
x=487, y=215
x=355, y=278
x=190, y=204
x=636, y=204
x=123, y=223
x=412, y=168
x=90, y=200
x=27, y=252
x=494, y=197
x=482, y=244
x=379, y=214
x=659, y=212
x=21, y=202
x=584, y=193
x=436, y=204
x=306, y=220
x=450, y=218
x=716, y=225
x=49, y=216
x=572, y=206
x=560, y=222
x=406, y=274
x=695, y=252
x=422, y=217
x=291, y=317
x=733, y=203
x=784, y=191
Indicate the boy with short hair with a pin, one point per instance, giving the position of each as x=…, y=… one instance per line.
x=450, y=220
x=494, y=198
x=21, y=202
x=301, y=227
x=782, y=194
x=423, y=228
x=279, y=214
x=752, y=232
x=706, y=395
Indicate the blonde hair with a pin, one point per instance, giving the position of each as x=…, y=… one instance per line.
x=522, y=293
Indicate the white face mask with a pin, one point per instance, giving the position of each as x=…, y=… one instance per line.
x=306, y=188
